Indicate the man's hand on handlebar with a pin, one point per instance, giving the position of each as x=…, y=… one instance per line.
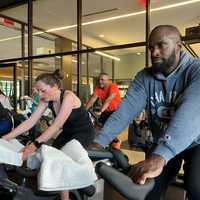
x=149, y=168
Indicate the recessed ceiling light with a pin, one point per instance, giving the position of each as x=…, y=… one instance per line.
x=101, y=35
x=138, y=53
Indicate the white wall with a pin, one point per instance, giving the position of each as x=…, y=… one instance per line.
x=129, y=65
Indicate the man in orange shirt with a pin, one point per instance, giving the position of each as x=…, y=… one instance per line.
x=109, y=95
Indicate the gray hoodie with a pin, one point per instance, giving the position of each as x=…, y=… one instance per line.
x=172, y=104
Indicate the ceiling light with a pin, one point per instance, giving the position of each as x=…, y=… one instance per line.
x=138, y=53
x=126, y=15
x=107, y=55
x=101, y=36
x=75, y=61
x=112, y=18
x=10, y=38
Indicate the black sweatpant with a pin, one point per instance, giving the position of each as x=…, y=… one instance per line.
x=191, y=175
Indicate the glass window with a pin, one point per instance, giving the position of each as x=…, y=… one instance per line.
x=196, y=48
x=10, y=39
x=127, y=62
x=108, y=22
x=59, y=18
x=181, y=13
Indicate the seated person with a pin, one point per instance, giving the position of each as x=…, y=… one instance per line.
x=109, y=95
x=169, y=90
x=6, y=109
x=31, y=101
x=70, y=116
x=5, y=101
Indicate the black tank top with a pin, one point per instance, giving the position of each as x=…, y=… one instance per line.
x=78, y=123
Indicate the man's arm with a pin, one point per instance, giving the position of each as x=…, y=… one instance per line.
x=132, y=104
x=183, y=132
x=107, y=102
x=184, y=128
x=91, y=102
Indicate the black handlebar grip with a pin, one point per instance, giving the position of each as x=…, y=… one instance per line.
x=120, y=159
x=26, y=172
x=123, y=184
x=99, y=154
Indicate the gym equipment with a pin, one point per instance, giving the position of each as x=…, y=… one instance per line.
x=114, y=172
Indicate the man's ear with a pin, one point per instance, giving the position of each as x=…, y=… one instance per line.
x=179, y=45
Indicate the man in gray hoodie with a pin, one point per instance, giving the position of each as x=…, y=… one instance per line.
x=170, y=92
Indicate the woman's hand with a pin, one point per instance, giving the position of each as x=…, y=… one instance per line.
x=28, y=150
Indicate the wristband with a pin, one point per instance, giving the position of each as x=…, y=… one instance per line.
x=37, y=144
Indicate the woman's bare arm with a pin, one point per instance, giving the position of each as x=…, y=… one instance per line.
x=70, y=101
x=27, y=124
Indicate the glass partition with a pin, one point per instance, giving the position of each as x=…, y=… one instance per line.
x=107, y=23
x=181, y=13
x=10, y=39
x=59, y=18
x=196, y=48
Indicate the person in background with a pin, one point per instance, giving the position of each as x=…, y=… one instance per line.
x=109, y=95
x=33, y=100
x=169, y=90
x=5, y=123
x=70, y=116
x=5, y=101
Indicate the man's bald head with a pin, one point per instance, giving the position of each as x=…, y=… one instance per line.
x=165, y=47
x=166, y=30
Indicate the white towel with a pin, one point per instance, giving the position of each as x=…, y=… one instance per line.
x=67, y=169
x=10, y=152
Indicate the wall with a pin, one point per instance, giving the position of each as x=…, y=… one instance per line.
x=129, y=65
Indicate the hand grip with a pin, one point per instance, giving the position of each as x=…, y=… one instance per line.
x=123, y=184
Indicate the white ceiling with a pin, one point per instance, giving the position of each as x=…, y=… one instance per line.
x=49, y=14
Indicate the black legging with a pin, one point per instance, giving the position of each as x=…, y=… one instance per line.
x=85, y=138
x=191, y=175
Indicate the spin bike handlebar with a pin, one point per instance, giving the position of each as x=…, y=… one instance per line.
x=96, y=118
x=118, y=159
x=123, y=184
x=116, y=176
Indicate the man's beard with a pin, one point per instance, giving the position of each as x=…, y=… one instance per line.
x=164, y=65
